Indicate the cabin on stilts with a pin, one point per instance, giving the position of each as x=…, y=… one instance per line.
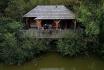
x=49, y=21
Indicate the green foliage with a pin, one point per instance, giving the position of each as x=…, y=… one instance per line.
x=17, y=52
x=28, y=48
x=15, y=9
x=72, y=46
x=7, y=47
x=101, y=23
x=14, y=50
x=37, y=44
x=3, y=5
x=70, y=34
x=101, y=35
x=92, y=29
x=14, y=26
x=89, y=20
x=100, y=51
x=8, y=42
x=9, y=25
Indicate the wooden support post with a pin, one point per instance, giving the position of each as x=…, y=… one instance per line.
x=38, y=23
x=57, y=23
x=26, y=23
x=75, y=23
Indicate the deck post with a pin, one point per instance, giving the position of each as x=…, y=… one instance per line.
x=38, y=23
x=27, y=23
x=75, y=23
x=57, y=23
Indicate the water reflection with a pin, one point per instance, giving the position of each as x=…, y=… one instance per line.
x=73, y=68
x=52, y=69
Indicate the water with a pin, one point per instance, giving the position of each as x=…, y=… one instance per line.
x=53, y=61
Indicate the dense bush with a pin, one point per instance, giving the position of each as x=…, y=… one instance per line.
x=14, y=50
x=7, y=48
x=101, y=34
x=101, y=51
x=29, y=48
x=91, y=19
x=78, y=44
x=72, y=46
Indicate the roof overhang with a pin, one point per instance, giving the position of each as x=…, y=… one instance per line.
x=51, y=12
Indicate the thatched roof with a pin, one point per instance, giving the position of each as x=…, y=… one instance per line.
x=50, y=12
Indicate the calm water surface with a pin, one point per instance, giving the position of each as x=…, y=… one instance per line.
x=53, y=61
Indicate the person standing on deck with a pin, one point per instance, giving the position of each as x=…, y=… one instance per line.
x=45, y=27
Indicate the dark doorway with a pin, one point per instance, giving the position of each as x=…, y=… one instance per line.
x=66, y=24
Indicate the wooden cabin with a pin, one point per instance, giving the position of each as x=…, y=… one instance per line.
x=50, y=17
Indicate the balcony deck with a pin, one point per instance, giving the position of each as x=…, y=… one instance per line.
x=36, y=33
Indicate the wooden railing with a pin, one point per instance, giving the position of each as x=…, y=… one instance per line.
x=38, y=33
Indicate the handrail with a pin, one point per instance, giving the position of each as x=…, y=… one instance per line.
x=47, y=33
